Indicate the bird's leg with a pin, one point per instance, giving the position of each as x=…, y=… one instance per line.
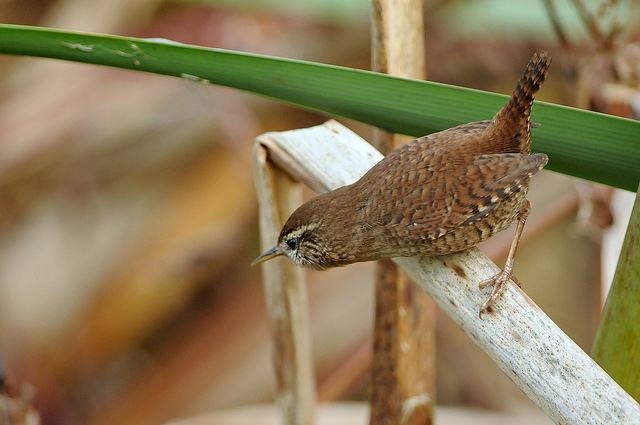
x=501, y=279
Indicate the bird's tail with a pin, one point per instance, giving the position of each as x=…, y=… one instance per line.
x=514, y=120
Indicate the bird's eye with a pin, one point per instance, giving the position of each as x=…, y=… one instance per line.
x=292, y=243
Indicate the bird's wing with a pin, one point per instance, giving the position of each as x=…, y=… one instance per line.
x=476, y=192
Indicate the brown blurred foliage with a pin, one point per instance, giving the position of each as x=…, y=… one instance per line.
x=128, y=221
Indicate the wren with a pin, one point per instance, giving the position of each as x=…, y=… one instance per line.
x=438, y=194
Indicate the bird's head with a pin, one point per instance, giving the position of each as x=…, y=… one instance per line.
x=302, y=245
x=307, y=238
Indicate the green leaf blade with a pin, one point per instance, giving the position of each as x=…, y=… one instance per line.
x=584, y=144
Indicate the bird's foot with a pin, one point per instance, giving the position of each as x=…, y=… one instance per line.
x=499, y=282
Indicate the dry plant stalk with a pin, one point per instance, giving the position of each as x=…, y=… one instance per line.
x=403, y=370
x=524, y=342
x=286, y=294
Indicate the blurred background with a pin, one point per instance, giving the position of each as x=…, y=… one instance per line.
x=128, y=217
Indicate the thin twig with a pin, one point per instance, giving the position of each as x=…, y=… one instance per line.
x=589, y=22
x=555, y=23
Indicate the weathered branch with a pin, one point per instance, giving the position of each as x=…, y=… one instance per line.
x=523, y=341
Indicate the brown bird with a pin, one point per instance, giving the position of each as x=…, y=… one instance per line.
x=436, y=195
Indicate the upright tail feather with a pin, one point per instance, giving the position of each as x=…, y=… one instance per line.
x=515, y=116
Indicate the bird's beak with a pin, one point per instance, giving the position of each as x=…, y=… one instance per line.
x=273, y=252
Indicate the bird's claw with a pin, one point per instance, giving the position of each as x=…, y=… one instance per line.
x=499, y=282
